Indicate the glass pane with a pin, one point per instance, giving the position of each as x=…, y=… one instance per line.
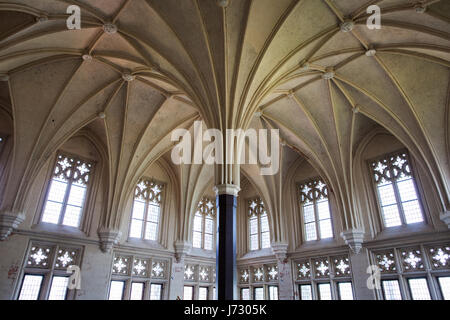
x=259, y=294
x=76, y=196
x=208, y=241
x=30, y=287
x=310, y=230
x=253, y=225
x=57, y=191
x=153, y=213
x=188, y=293
x=305, y=292
x=51, y=212
x=116, y=290
x=137, y=291
x=419, y=289
x=197, y=239
x=209, y=225
x=151, y=231
x=326, y=230
x=412, y=211
x=324, y=209
x=254, y=242
x=155, y=291
x=203, y=293
x=345, y=290
x=308, y=213
x=387, y=195
x=265, y=240
x=138, y=209
x=198, y=223
x=58, y=289
x=245, y=294
x=136, y=228
x=391, y=216
x=72, y=216
x=444, y=283
x=264, y=223
x=273, y=293
x=324, y=291
x=391, y=290
x=407, y=190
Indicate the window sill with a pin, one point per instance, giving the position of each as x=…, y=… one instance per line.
x=318, y=243
x=203, y=253
x=58, y=229
x=258, y=253
x=142, y=243
x=404, y=230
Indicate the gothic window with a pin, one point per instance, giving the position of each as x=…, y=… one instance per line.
x=204, y=225
x=201, y=279
x=146, y=212
x=137, y=277
x=396, y=190
x=66, y=196
x=259, y=233
x=45, y=274
x=325, y=278
x=258, y=282
x=412, y=273
x=315, y=210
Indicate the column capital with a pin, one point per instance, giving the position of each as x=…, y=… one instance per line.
x=108, y=238
x=8, y=222
x=354, y=239
x=230, y=189
x=445, y=217
x=280, y=250
x=182, y=248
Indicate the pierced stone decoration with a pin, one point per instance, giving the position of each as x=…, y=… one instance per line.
x=140, y=267
x=159, y=269
x=258, y=274
x=321, y=268
x=149, y=190
x=272, y=272
x=412, y=259
x=256, y=207
x=39, y=257
x=341, y=266
x=313, y=190
x=206, y=206
x=204, y=273
x=66, y=257
x=386, y=261
x=439, y=257
x=244, y=275
x=69, y=168
x=303, y=270
x=121, y=265
x=391, y=168
x=189, y=272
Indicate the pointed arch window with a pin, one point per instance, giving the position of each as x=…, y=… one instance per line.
x=66, y=196
x=146, y=212
x=315, y=210
x=396, y=190
x=204, y=225
x=258, y=222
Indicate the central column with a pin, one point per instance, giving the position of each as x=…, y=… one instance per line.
x=226, y=200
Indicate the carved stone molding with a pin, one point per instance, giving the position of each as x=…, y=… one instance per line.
x=354, y=239
x=108, y=238
x=230, y=189
x=280, y=250
x=8, y=222
x=182, y=248
x=445, y=216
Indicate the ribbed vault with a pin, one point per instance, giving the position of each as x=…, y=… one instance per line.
x=172, y=62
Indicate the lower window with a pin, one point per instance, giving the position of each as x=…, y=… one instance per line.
x=324, y=290
x=116, y=290
x=258, y=293
x=345, y=290
x=188, y=293
x=31, y=287
x=418, y=288
x=305, y=292
x=391, y=290
x=156, y=291
x=273, y=292
x=203, y=293
x=245, y=294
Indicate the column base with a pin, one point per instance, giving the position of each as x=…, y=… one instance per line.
x=108, y=238
x=8, y=222
x=354, y=239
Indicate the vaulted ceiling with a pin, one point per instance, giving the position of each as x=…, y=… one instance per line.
x=137, y=69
